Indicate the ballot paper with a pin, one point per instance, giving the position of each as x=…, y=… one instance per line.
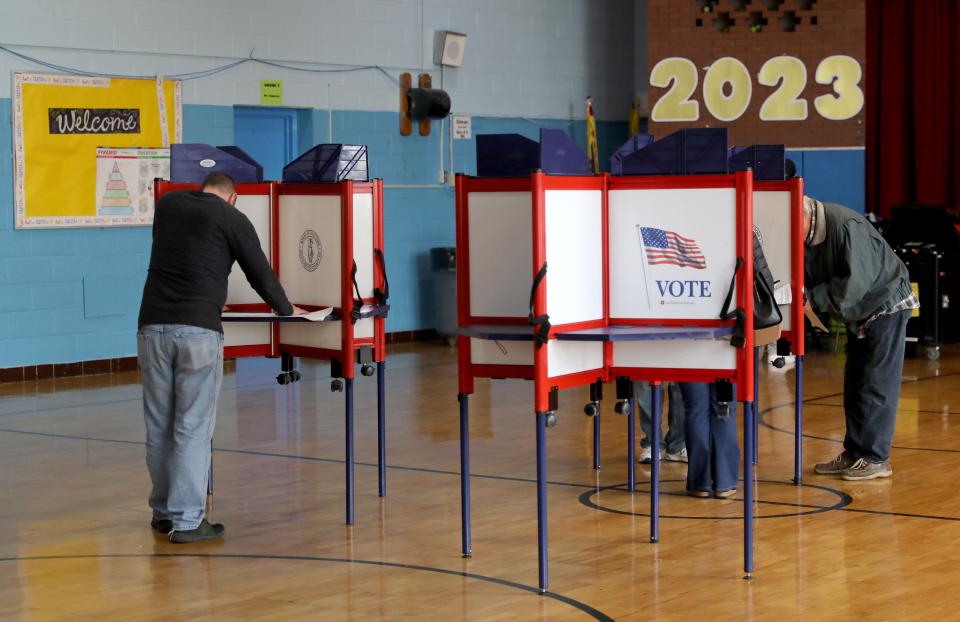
x=814, y=320
x=314, y=316
x=783, y=293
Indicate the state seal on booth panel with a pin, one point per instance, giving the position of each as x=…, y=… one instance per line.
x=311, y=250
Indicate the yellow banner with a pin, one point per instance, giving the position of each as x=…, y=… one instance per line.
x=59, y=123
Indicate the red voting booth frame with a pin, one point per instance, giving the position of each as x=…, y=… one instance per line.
x=545, y=387
x=343, y=360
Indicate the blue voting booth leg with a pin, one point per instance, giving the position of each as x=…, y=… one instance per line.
x=596, y=442
x=798, y=424
x=542, y=498
x=348, y=392
x=756, y=403
x=631, y=446
x=382, y=427
x=210, y=472
x=655, y=404
x=463, y=398
x=748, y=474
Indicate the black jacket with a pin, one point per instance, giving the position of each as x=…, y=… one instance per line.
x=196, y=238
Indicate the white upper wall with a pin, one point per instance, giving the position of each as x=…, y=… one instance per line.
x=527, y=58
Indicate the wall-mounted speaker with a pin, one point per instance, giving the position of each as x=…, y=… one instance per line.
x=448, y=48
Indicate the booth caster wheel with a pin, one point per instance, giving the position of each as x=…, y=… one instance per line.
x=551, y=420
x=932, y=352
x=622, y=407
x=294, y=376
x=779, y=362
x=366, y=370
x=592, y=409
x=283, y=378
x=336, y=385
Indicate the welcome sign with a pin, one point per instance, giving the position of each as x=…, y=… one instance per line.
x=62, y=124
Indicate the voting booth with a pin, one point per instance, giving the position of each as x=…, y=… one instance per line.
x=571, y=280
x=324, y=241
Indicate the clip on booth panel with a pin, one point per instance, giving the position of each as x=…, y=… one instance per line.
x=515, y=236
x=325, y=243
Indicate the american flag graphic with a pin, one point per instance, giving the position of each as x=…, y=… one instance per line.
x=670, y=248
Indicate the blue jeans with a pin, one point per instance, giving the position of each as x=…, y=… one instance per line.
x=675, y=440
x=871, y=387
x=712, y=452
x=181, y=368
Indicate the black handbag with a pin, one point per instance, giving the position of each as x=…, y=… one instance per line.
x=766, y=311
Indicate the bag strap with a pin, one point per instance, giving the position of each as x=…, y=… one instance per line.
x=541, y=322
x=358, y=301
x=382, y=294
x=738, y=339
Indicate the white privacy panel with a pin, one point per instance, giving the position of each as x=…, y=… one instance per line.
x=771, y=215
x=501, y=254
x=672, y=252
x=676, y=353
x=574, y=233
x=310, y=248
x=570, y=357
x=490, y=352
x=256, y=207
x=245, y=334
x=326, y=335
x=363, y=241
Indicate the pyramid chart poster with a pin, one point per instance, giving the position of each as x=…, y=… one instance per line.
x=124, y=190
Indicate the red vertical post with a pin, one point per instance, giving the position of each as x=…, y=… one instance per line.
x=540, y=385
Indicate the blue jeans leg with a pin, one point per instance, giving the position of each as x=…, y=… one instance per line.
x=712, y=449
x=675, y=427
x=181, y=372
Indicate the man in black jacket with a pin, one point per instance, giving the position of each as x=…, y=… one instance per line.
x=852, y=273
x=197, y=235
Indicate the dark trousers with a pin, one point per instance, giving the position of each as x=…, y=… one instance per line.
x=871, y=386
x=712, y=452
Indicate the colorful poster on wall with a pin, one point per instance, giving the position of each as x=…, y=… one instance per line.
x=125, y=177
x=70, y=132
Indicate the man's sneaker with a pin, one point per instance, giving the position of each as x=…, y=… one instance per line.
x=724, y=494
x=161, y=525
x=699, y=494
x=680, y=456
x=864, y=470
x=646, y=455
x=205, y=531
x=836, y=466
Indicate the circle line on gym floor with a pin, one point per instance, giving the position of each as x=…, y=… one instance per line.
x=576, y=604
x=586, y=498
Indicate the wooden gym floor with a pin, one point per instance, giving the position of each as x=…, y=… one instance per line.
x=75, y=542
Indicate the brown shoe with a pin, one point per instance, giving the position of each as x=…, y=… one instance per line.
x=864, y=469
x=836, y=466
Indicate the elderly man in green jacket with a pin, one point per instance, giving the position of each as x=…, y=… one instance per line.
x=852, y=273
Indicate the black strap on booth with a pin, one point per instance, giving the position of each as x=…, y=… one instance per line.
x=382, y=294
x=738, y=339
x=542, y=322
x=358, y=301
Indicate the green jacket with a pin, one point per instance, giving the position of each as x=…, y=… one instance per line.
x=852, y=272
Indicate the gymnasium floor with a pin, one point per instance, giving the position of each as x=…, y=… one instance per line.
x=75, y=542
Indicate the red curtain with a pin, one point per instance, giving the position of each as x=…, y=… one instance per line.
x=913, y=99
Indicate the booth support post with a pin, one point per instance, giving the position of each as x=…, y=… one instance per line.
x=382, y=427
x=756, y=403
x=542, y=499
x=467, y=542
x=631, y=445
x=655, y=405
x=748, y=475
x=348, y=412
x=798, y=423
